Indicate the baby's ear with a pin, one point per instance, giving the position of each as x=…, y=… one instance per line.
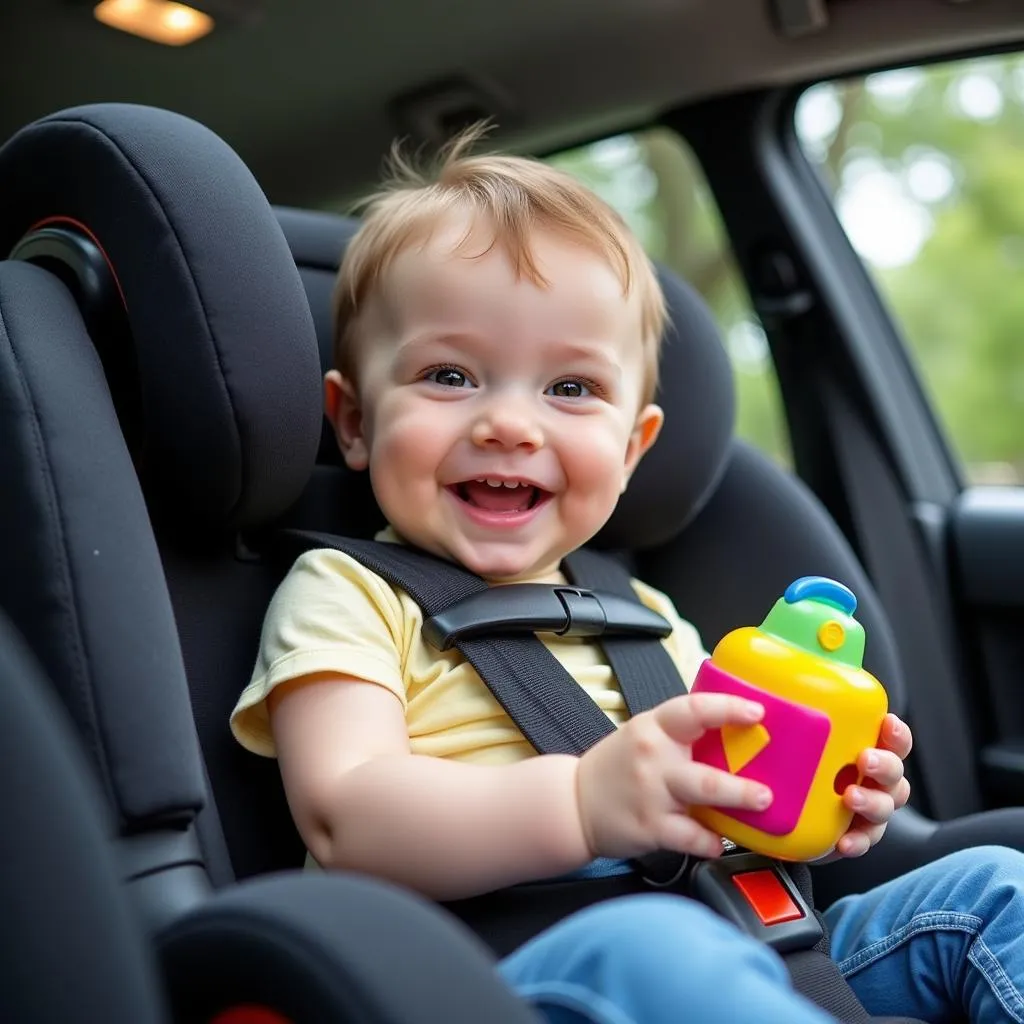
x=342, y=408
x=645, y=433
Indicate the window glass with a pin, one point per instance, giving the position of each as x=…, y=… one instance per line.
x=655, y=182
x=926, y=169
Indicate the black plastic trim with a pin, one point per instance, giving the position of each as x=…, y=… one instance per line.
x=541, y=608
x=711, y=882
x=165, y=873
x=988, y=542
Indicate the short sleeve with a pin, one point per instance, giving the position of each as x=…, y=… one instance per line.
x=329, y=614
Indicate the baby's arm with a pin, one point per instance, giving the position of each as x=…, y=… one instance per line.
x=363, y=802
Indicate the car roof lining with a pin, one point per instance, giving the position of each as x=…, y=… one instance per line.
x=306, y=91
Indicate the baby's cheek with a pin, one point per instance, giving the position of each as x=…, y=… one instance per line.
x=598, y=463
x=596, y=485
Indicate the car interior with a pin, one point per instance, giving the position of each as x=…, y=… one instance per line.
x=172, y=218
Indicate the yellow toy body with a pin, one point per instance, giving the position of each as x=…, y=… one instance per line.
x=822, y=709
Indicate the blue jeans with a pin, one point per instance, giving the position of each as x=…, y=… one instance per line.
x=940, y=942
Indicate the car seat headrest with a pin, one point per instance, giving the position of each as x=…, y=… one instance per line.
x=677, y=476
x=220, y=382
x=673, y=480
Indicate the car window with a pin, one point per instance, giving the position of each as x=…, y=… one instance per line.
x=926, y=169
x=653, y=179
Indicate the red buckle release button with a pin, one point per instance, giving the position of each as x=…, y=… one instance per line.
x=767, y=895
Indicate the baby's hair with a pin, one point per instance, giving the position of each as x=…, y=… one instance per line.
x=515, y=195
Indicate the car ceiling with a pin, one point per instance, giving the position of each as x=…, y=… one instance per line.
x=306, y=90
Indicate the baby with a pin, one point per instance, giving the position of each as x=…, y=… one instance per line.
x=496, y=359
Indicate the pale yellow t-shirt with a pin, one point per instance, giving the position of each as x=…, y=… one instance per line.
x=331, y=614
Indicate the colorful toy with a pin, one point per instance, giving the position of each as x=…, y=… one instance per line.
x=822, y=709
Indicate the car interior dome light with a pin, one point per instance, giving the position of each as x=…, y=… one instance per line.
x=160, y=21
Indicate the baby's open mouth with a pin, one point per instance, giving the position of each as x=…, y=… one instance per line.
x=499, y=495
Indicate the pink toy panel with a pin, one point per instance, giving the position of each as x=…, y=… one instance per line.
x=783, y=752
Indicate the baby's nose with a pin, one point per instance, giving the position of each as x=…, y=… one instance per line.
x=507, y=424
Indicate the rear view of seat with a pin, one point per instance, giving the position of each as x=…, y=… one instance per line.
x=66, y=917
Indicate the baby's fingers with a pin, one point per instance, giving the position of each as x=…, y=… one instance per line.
x=883, y=767
x=692, y=783
x=685, y=719
x=875, y=806
x=679, y=832
x=896, y=736
x=857, y=842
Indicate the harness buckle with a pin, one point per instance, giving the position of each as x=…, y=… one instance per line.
x=757, y=895
x=584, y=613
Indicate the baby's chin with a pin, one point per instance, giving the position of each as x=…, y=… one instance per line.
x=543, y=574
x=501, y=569
x=496, y=563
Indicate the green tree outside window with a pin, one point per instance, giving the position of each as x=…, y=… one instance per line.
x=926, y=169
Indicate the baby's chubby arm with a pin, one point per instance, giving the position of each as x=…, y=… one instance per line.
x=363, y=802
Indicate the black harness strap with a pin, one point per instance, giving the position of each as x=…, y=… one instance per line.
x=524, y=676
x=645, y=671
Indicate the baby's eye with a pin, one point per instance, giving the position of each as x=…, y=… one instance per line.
x=449, y=377
x=570, y=388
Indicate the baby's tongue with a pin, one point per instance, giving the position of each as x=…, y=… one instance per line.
x=497, y=499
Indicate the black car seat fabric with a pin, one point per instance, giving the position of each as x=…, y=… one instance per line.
x=83, y=577
x=227, y=434
x=79, y=562
x=72, y=943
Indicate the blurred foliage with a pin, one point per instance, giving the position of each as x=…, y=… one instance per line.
x=926, y=167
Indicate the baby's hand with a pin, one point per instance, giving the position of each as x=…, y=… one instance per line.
x=635, y=787
x=883, y=791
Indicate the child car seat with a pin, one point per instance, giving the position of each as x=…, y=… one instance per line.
x=65, y=913
x=82, y=579
x=213, y=380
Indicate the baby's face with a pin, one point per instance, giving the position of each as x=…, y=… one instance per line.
x=499, y=420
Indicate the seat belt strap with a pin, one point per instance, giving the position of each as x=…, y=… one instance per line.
x=818, y=977
x=894, y=557
x=553, y=712
x=645, y=671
